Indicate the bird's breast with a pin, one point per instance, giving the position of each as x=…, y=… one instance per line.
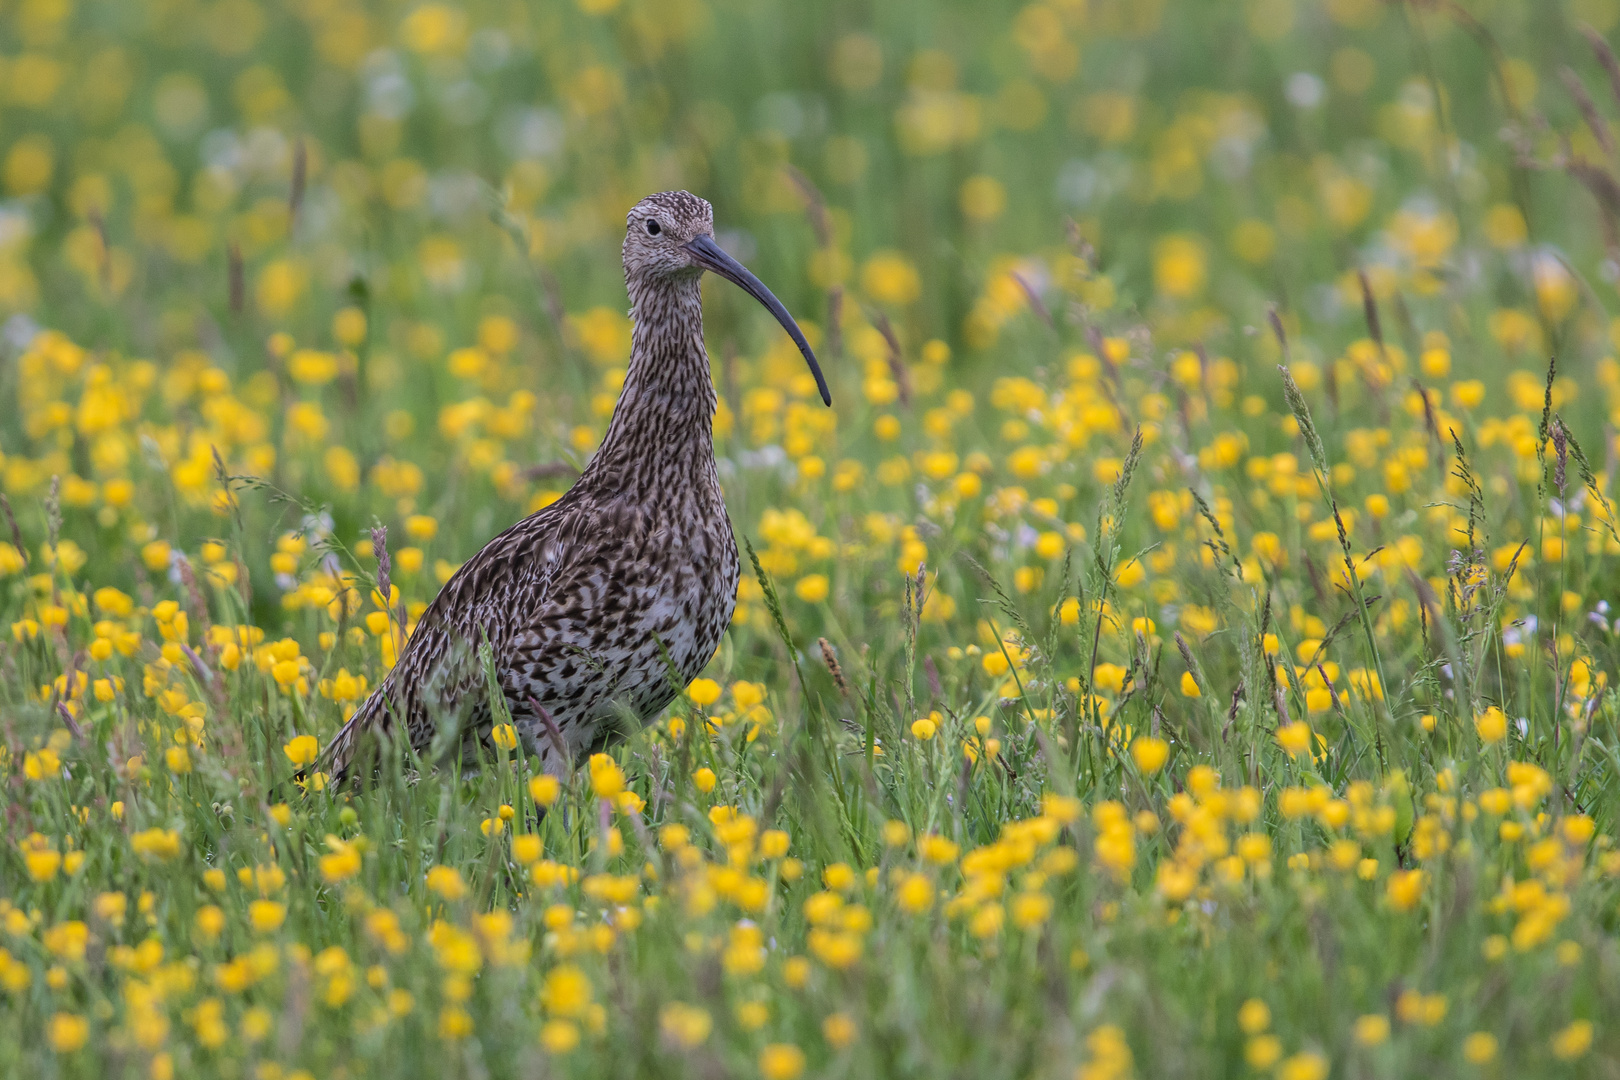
x=646, y=597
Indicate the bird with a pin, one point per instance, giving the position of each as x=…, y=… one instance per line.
x=598, y=609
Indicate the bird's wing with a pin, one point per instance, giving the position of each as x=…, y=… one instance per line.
x=604, y=633
x=438, y=671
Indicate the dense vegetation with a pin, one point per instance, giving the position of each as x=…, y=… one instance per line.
x=1101, y=699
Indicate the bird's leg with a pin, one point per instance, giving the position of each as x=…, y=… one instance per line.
x=559, y=762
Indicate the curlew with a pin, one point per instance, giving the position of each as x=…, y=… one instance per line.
x=589, y=604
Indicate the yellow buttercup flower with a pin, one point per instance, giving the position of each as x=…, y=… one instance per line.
x=67, y=1032
x=302, y=750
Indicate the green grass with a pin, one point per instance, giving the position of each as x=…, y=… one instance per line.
x=1102, y=699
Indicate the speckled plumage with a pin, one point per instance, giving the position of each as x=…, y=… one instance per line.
x=581, y=602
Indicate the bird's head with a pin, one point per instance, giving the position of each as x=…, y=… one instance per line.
x=671, y=235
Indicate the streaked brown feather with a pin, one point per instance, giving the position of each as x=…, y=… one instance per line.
x=582, y=602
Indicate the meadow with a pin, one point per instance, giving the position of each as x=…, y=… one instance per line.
x=1185, y=649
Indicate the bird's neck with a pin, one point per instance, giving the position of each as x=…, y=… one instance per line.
x=662, y=431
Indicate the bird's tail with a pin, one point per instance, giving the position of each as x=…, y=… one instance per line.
x=370, y=722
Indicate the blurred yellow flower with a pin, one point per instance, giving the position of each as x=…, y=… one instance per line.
x=1179, y=266
x=607, y=779
x=42, y=863
x=281, y=284
x=889, y=278
x=1149, y=753
x=266, y=916
x=434, y=28
x=559, y=1036
x=527, y=848
x=447, y=882
x=566, y=991
x=67, y=1032
x=1305, y=1066
x=1295, y=738
x=28, y=165
x=685, y=1025
x=312, y=367
x=781, y=1061
x=544, y=789
x=982, y=198
x=1371, y=1029
x=1573, y=1041
x=1479, y=1048
x=1405, y=889
x=1491, y=725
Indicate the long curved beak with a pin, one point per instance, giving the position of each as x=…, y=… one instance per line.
x=709, y=255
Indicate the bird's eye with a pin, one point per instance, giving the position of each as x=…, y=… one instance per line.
x=653, y=228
